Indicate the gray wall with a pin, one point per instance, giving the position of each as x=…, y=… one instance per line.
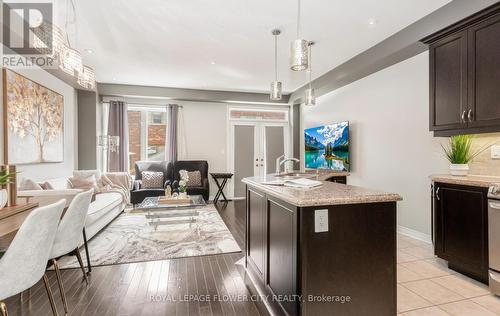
x=87, y=129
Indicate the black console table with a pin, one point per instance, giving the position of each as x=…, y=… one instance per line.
x=224, y=177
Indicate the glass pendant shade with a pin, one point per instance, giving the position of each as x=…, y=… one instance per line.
x=299, y=56
x=276, y=90
x=86, y=78
x=49, y=33
x=71, y=62
x=310, y=97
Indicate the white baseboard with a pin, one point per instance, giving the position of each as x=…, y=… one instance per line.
x=414, y=234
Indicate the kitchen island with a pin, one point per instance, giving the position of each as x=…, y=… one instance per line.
x=329, y=250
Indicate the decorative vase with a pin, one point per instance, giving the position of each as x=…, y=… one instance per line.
x=4, y=198
x=183, y=195
x=459, y=169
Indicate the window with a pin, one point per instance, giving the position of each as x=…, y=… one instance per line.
x=147, y=134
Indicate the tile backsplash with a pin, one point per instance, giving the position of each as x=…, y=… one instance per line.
x=483, y=164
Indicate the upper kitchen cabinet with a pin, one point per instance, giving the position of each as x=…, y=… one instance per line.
x=465, y=75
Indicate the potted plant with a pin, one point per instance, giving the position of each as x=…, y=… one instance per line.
x=5, y=179
x=184, y=178
x=459, y=151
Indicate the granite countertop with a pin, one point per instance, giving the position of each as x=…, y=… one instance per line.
x=328, y=194
x=472, y=180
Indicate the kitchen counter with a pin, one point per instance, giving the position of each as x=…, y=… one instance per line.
x=327, y=194
x=472, y=180
x=308, y=242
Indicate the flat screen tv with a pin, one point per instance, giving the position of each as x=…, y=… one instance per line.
x=327, y=147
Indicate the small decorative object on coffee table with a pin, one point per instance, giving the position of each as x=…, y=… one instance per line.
x=183, y=183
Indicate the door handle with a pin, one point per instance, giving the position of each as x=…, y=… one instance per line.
x=463, y=116
x=437, y=194
x=469, y=115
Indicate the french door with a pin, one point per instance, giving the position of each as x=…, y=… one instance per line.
x=254, y=147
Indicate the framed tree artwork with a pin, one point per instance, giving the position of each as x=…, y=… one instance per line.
x=33, y=121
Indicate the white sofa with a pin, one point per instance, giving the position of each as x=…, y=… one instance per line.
x=102, y=210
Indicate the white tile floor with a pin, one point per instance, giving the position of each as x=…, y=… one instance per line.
x=427, y=287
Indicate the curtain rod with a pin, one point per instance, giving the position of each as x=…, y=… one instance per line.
x=148, y=104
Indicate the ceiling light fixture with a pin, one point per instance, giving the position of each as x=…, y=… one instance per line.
x=87, y=78
x=310, y=95
x=89, y=51
x=71, y=62
x=213, y=62
x=299, y=48
x=372, y=22
x=276, y=91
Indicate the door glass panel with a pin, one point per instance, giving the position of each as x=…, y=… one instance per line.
x=244, y=156
x=275, y=146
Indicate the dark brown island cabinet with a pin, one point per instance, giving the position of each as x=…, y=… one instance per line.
x=465, y=75
x=460, y=228
x=325, y=251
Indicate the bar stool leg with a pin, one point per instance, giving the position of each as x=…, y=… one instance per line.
x=49, y=294
x=3, y=309
x=60, y=283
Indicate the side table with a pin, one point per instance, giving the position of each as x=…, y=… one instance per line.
x=224, y=177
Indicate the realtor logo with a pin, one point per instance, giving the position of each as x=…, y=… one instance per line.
x=27, y=35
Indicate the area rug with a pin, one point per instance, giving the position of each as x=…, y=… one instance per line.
x=136, y=237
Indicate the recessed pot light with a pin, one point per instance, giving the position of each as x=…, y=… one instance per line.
x=89, y=51
x=212, y=62
x=372, y=22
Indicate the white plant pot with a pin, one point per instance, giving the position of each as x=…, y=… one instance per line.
x=459, y=169
x=183, y=195
x=4, y=197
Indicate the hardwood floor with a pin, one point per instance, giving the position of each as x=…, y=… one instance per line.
x=186, y=286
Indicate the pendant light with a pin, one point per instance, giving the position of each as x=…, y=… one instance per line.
x=299, y=47
x=310, y=96
x=276, y=85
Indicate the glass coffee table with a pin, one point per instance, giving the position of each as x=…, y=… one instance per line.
x=164, y=214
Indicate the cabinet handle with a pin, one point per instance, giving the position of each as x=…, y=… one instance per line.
x=463, y=116
x=437, y=194
x=469, y=115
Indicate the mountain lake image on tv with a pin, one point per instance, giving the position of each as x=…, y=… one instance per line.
x=327, y=147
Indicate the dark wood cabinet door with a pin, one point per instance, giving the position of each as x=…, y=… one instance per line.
x=282, y=257
x=484, y=73
x=448, y=82
x=256, y=230
x=462, y=228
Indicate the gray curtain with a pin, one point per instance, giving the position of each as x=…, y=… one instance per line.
x=171, y=145
x=118, y=126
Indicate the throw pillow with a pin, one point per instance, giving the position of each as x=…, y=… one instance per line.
x=83, y=174
x=28, y=184
x=194, y=179
x=84, y=183
x=152, y=180
x=46, y=186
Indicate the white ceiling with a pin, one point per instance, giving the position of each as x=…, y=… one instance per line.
x=171, y=43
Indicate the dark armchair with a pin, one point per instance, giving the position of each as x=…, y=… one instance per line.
x=193, y=165
x=138, y=194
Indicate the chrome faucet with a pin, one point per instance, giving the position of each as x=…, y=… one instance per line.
x=280, y=162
